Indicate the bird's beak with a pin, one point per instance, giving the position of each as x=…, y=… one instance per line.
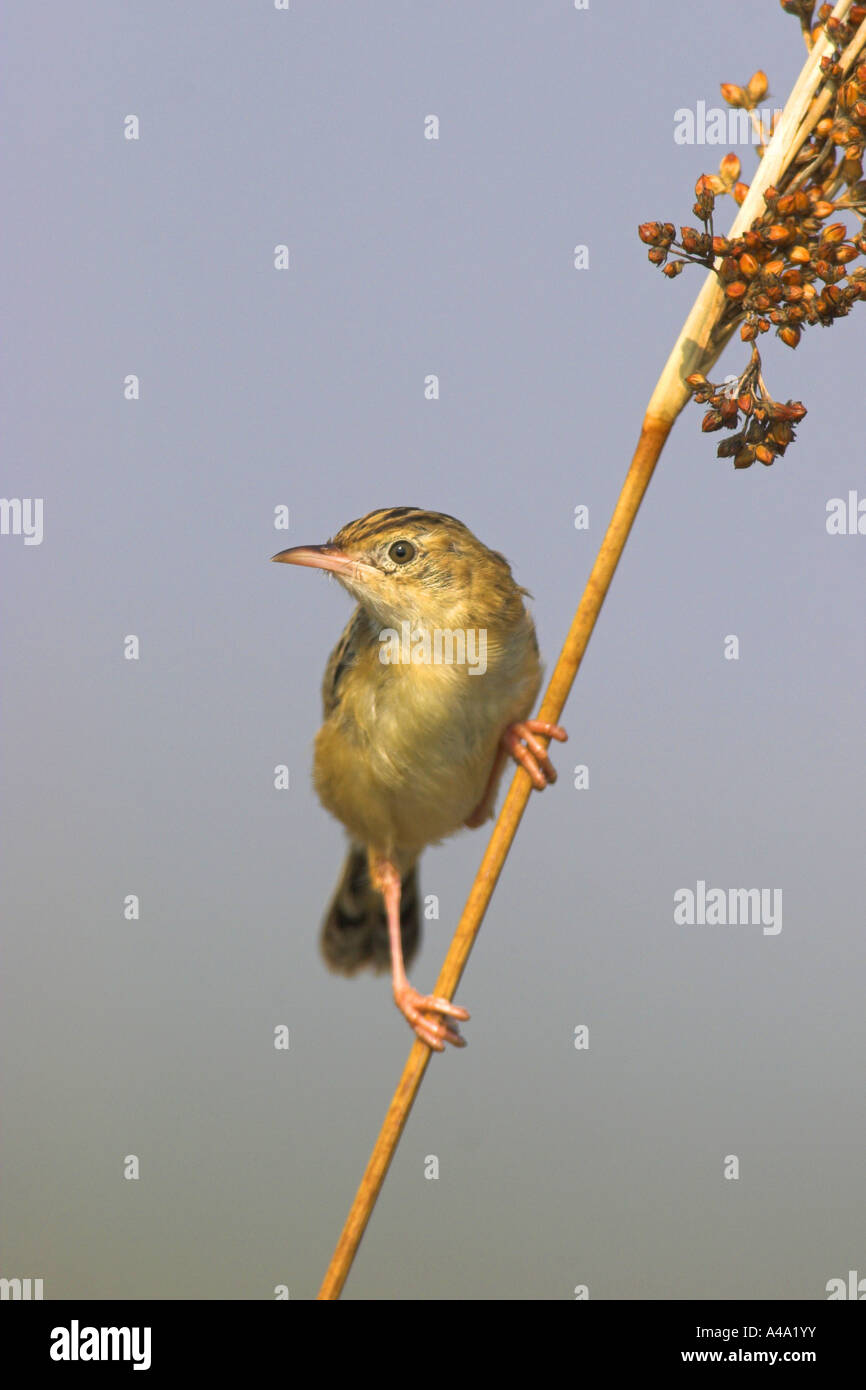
x=326, y=557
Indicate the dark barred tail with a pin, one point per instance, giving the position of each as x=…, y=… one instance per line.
x=355, y=930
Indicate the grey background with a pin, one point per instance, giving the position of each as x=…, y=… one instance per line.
x=155, y=777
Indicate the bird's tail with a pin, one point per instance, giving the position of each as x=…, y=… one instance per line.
x=355, y=929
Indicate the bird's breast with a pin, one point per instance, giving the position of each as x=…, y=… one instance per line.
x=405, y=755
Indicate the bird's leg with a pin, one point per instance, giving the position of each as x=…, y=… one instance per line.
x=520, y=741
x=419, y=1009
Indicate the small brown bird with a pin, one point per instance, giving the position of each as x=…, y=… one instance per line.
x=425, y=696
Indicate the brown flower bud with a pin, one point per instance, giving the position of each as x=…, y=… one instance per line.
x=756, y=87
x=711, y=421
x=740, y=190
x=733, y=95
x=790, y=336
x=748, y=332
x=837, y=231
x=649, y=232
x=823, y=209
x=799, y=255
x=764, y=453
x=746, y=457
x=777, y=234
x=736, y=289
x=748, y=265
x=729, y=170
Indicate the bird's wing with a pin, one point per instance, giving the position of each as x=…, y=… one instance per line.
x=342, y=659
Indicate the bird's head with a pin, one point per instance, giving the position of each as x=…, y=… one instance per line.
x=405, y=563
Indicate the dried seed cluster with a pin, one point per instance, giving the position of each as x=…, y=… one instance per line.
x=768, y=425
x=793, y=267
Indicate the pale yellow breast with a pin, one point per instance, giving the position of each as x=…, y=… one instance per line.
x=405, y=756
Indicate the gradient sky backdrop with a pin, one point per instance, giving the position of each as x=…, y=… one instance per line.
x=557, y=1167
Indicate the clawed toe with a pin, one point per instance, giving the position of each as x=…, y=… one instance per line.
x=435, y=1032
x=528, y=750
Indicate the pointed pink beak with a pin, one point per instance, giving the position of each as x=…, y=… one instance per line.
x=326, y=557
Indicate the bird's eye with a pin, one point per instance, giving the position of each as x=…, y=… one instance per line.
x=402, y=552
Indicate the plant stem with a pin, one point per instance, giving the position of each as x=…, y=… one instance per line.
x=698, y=346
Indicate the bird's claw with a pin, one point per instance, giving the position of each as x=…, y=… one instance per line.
x=528, y=750
x=435, y=1033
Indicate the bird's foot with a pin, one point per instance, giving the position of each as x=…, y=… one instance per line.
x=521, y=742
x=421, y=1009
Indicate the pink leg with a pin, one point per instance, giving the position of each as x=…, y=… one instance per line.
x=520, y=741
x=416, y=1008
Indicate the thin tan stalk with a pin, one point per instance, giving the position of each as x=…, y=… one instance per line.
x=696, y=349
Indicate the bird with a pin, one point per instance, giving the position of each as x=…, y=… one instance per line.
x=425, y=697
